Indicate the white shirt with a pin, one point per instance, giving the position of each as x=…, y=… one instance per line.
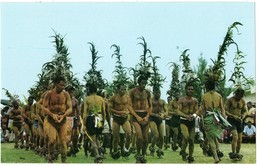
x=249, y=131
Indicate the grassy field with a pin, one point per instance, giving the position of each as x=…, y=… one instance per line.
x=11, y=155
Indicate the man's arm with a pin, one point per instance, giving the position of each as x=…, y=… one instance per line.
x=68, y=105
x=112, y=106
x=46, y=104
x=104, y=109
x=166, y=111
x=139, y=119
x=149, y=100
x=179, y=112
x=85, y=106
x=223, y=111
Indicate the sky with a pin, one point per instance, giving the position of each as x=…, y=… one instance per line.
x=168, y=28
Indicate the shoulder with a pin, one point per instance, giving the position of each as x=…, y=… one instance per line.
x=148, y=92
x=181, y=99
x=47, y=93
x=66, y=93
x=100, y=98
x=133, y=90
x=230, y=99
x=112, y=98
x=127, y=96
x=243, y=101
x=195, y=99
x=163, y=101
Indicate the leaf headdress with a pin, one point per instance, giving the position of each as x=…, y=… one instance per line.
x=238, y=78
x=120, y=77
x=216, y=72
x=12, y=97
x=156, y=79
x=175, y=86
x=60, y=65
x=188, y=76
x=93, y=77
x=144, y=67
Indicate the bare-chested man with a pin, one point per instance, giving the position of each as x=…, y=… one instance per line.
x=120, y=106
x=174, y=123
x=93, y=118
x=159, y=111
x=16, y=116
x=236, y=110
x=57, y=106
x=75, y=115
x=27, y=115
x=142, y=107
x=41, y=130
x=187, y=106
x=211, y=104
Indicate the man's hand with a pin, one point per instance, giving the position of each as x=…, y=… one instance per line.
x=144, y=120
x=55, y=117
x=139, y=119
x=60, y=118
x=190, y=117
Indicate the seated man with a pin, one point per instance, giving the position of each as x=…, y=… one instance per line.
x=249, y=133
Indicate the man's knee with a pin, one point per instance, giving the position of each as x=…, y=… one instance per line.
x=235, y=136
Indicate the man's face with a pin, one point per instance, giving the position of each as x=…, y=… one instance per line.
x=60, y=86
x=238, y=96
x=157, y=94
x=122, y=90
x=169, y=99
x=142, y=84
x=15, y=104
x=177, y=95
x=249, y=105
x=189, y=91
x=30, y=101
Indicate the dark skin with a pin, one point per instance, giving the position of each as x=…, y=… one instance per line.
x=16, y=112
x=121, y=103
x=141, y=100
x=59, y=106
x=159, y=106
x=159, y=110
x=121, y=106
x=188, y=105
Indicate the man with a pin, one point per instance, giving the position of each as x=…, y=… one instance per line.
x=74, y=123
x=141, y=103
x=17, y=120
x=167, y=124
x=236, y=111
x=175, y=120
x=106, y=137
x=57, y=106
x=41, y=128
x=27, y=113
x=159, y=111
x=120, y=106
x=93, y=118
x=250, y=116
x=187, y=106
x=211, y=105
x=249, y=133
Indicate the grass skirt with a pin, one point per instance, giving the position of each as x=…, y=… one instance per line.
x=212, y=128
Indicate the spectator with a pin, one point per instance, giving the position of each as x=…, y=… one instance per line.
x=250, y=116
x=226, y=136
x=249, y=133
